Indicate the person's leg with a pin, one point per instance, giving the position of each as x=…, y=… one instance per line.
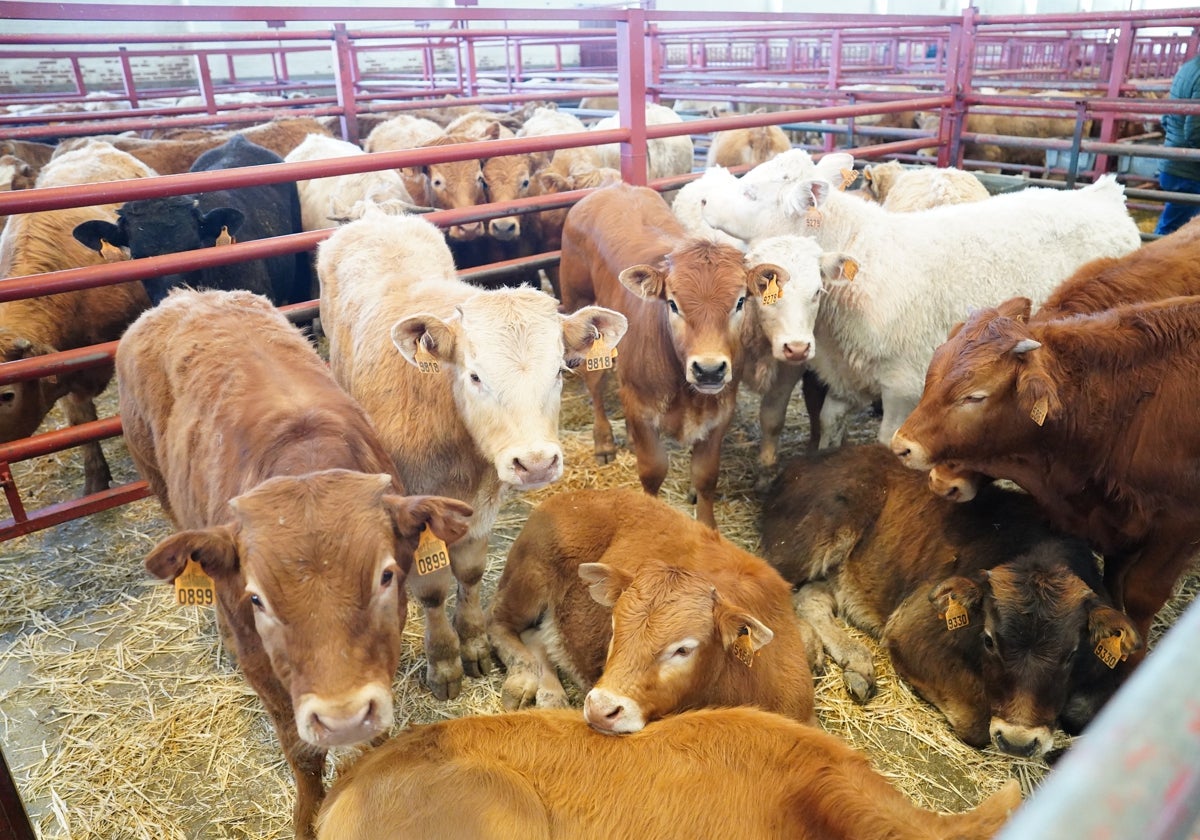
x=1174, y=213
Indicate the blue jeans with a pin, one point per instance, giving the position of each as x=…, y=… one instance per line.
x=1175, y=214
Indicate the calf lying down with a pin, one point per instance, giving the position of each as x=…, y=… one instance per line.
x=994, y=618
x=545, y=774
x=687, y=618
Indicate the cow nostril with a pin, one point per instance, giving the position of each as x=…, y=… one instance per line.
x=615, y=713
x=518, y=467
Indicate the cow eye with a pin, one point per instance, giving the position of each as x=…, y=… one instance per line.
x=438, y=183
x=475, y=380
x=682, y=652
x=257, y=601
x=741, y=302
x=973, y=399
x=8, y=396
x=483, y=183
x=386, y=578
x=525, y=184
x=671, y=305
x=989, y=643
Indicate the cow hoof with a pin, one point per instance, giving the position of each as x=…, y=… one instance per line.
x=476, y=656
x=520, y=690
x=861, y=688
x=692, y=496
x=552, y=699
x=606, y=457
x=444, y=679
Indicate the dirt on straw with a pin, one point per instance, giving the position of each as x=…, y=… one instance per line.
x=122, y=717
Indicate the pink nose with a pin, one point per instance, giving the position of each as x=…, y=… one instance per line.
x=467, y=232
x=796, y=352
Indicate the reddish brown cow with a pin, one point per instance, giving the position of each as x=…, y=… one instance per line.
x=855, y=529
x=1166, y=267
x=290, y=504
x=452, y=185
x=1093, y=415
x=687, y=618
x=680, y=364
x=711, y=773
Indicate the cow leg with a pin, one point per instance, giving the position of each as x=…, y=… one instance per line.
x=602, y=436
x=443, y=670
x=813, y=391
x=771, y=416
x=550, y=694
x=650, y=451
x=96, y=475
x=468, y=558
x=816, y=603
x=835, y=416
x=706, y=462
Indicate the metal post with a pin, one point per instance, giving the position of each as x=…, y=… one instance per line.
x=631, y=77
x=127, y=78
x=1135, y=773
x=343, y=82
x=1120, y=69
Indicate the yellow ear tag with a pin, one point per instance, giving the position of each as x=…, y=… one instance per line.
x=772, y=293
x=1040, y=409
x=193, y=586
x=956, y=616
x=600, y=356
x=743, y=648
x=110, y=252
x=431, y=553
x=849, y=176
x=812, y=217
x=225, y=237
x=1108, y=650
x=849, y=269
x=426, y=362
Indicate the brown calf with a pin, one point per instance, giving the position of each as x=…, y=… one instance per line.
x=681, y=360
x=687, y=618
x=855, y=529
x=450, y=185
x=289, y=503
x=1094, y=416
x=544, y=775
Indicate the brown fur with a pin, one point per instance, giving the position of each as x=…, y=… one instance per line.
x=283, y=489
x=862, y=537
x=605, y=238
x=1115, y=460
x=712, y=773
x=666, y=567
x=746, y=146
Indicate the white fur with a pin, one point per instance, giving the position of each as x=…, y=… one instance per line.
x=666, y=156
x=321, y=198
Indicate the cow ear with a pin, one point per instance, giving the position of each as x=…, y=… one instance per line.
x=645, y=281
x=23, y=348
x=830, y=165
x=733, y=624
x=807, y=197
x=762, y=275
x=1036, y=392
x=955, y=330
x=1018, y=309
x=93, y=234
x=956, y=590
x=552, y=182
x=605, y=583
x=424, y=334
x=585, y=327
x=492, y=132
x=837, y=268
x=1104, y=623
x=215, y=549
x=213, y=221
x=449, y=519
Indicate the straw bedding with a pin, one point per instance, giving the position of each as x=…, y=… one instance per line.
x=122, y=717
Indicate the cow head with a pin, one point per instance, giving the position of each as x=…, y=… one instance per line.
x=506, y=179
x=24, y=404
x=450, y=185
x=505, y=351
x=1033, y=626
x=674, y=639
x=761, y=203
x=704, y=286
x=954, y=483
x=987, y=391
x=315, y=564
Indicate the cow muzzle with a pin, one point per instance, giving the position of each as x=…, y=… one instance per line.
x=507, y=229
x=612, y=714
x=794, y=352
x=352, y=718
x=466, y=232
x=911, y=454
x=957, y=487
x=1022, y=741
x=708, y=374
x=528, y=469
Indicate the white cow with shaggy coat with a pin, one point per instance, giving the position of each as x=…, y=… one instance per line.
x=483, y=419
x=322, y=200
x=918, y=273
x=665, y=156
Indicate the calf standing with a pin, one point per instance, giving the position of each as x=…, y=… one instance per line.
x=287, y=500
x=855, y=529
x=483, y=419
x=687, y=618
x=681, y=361
x=712, y=773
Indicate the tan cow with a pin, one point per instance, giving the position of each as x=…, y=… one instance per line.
x=687, y=618
x=745, y=146
x=544, y=775
x=287, y=500
x=482, y=420
x=684, y=297
x=34, y=243
x=904, y=190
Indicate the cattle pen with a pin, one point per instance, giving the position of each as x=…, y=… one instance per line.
x=122, y=714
